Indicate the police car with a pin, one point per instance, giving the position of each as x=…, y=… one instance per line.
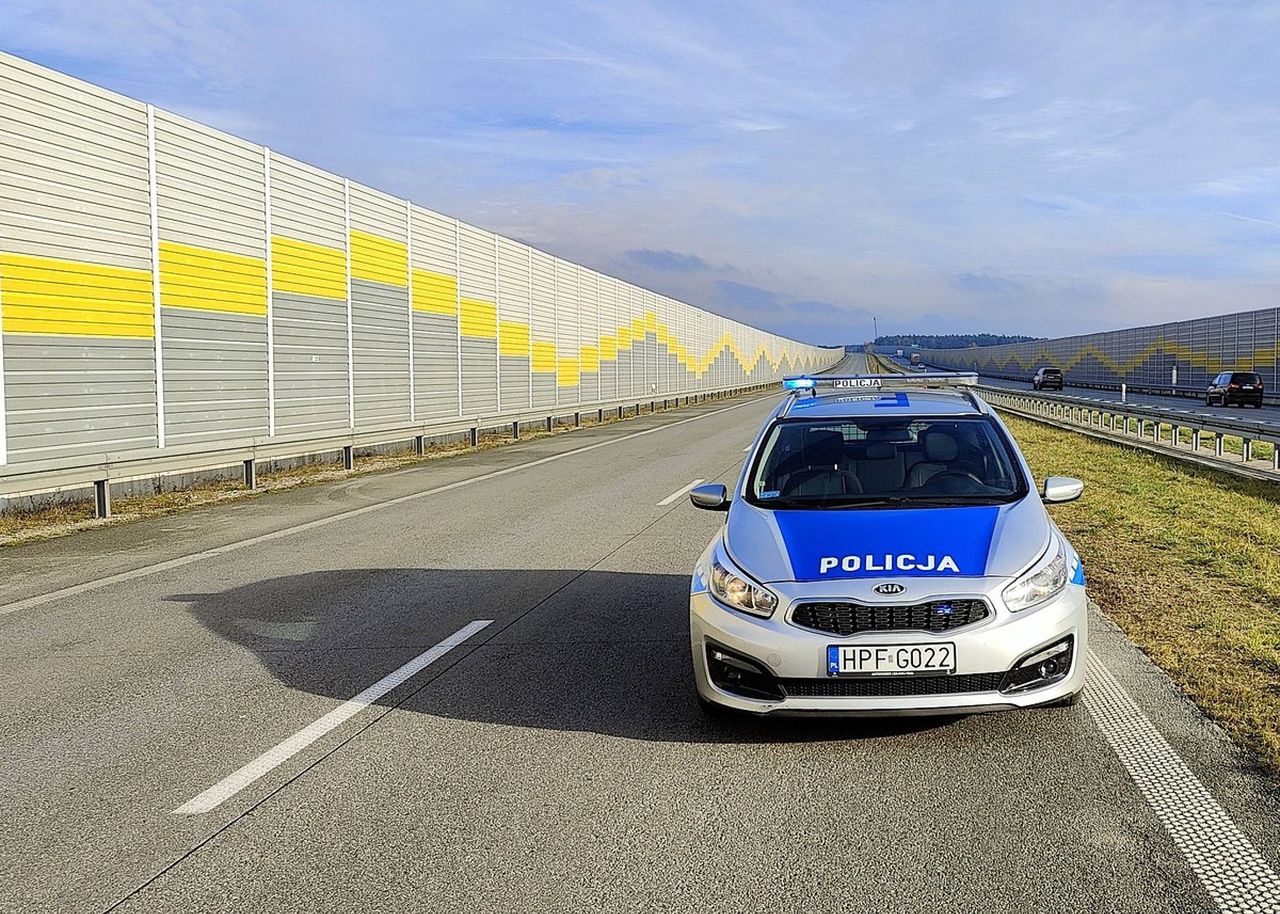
x=886, y=552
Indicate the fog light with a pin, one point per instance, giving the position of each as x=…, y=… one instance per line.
x=1041, y=668
x=741, y=675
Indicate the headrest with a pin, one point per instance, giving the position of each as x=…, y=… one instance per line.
x=823, y=448
x=940, y=446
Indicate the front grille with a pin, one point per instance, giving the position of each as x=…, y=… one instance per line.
x=851, y=618
x=891, y=686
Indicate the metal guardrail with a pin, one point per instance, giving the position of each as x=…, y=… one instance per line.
x=112, y=469
x=1205, y=439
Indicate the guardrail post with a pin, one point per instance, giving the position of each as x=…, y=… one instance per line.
x=102, y=499
x=1217, y=444
x=1176, y=438
x=251, y=474
x=515, y=430
x=1275, y=457
x=653, y=406
x=348, y=458
x=420, y=445
x=620, y=412
x=475, y=436
x=600, y=416
x=577, y=420
x=550, y=423
x=1246, y=449
x=1195, y=439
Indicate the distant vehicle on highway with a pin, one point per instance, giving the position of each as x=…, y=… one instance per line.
x=915, y=358
x=1047, y=378
x=1231, y=387
x=885, y=551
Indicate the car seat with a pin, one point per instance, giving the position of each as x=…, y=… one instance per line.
x=822, y=473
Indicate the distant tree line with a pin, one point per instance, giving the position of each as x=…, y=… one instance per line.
x=952, y=340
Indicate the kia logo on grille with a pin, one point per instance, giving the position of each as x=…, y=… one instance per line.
x=890, y=589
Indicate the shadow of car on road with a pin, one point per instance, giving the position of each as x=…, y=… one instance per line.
x=593, y=651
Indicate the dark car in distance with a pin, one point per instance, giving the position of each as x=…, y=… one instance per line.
x=1230, y=387
x=1047, y=378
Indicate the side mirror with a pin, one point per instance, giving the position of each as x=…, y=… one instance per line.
x=711, y=497
x=1058, y=489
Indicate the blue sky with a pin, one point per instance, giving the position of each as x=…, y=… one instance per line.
x=1045, y=168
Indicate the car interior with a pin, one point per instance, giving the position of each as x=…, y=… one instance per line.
x=922, y=457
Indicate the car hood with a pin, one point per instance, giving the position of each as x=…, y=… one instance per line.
x=961, y=541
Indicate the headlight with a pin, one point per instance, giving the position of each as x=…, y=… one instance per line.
x=1043, y=580
x=734, y=589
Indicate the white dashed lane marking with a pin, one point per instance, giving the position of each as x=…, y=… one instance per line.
x=678, y=492
x=1233, y=873
x=282, y=752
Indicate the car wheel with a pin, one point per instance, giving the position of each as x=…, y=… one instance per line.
x=1208, y=400
x=1258, y=405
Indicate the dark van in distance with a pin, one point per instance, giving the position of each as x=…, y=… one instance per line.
x=1047, y=378
x=1231, y=387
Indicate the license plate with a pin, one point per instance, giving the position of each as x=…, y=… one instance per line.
x=890, y=659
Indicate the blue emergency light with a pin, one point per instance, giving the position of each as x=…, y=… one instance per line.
x=882, y=381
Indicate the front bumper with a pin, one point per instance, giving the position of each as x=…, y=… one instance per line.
x=796, y=658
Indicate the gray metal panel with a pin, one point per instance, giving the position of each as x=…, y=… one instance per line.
x=515, y=384
x=215, y=376
x=380, y=351
x=608, y=379
x=77, y=398
x=310, y=363
x=435, y=365
x=544, y=391
x=479, y=370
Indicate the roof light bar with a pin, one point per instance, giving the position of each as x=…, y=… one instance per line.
x=881, y=381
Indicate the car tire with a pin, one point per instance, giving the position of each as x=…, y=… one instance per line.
x=1208, y=400
x=1258, y=405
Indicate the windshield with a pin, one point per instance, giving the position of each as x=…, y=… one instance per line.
x=868, y=462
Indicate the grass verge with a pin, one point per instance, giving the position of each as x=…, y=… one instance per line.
x=1186, y=561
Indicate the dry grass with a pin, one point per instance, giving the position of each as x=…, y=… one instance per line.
x=1187, y=562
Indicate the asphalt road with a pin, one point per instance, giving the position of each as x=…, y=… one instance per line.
x=553, y=760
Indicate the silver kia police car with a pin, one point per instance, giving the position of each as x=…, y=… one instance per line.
x=886, y=552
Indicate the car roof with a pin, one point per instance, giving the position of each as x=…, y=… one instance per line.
x=849, y=404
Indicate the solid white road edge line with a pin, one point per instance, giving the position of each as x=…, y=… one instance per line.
x=76, y=589
x=1233, y=873
x=676, y=494
x=282, y=752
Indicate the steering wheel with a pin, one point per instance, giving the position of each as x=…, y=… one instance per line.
x=952, y=482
